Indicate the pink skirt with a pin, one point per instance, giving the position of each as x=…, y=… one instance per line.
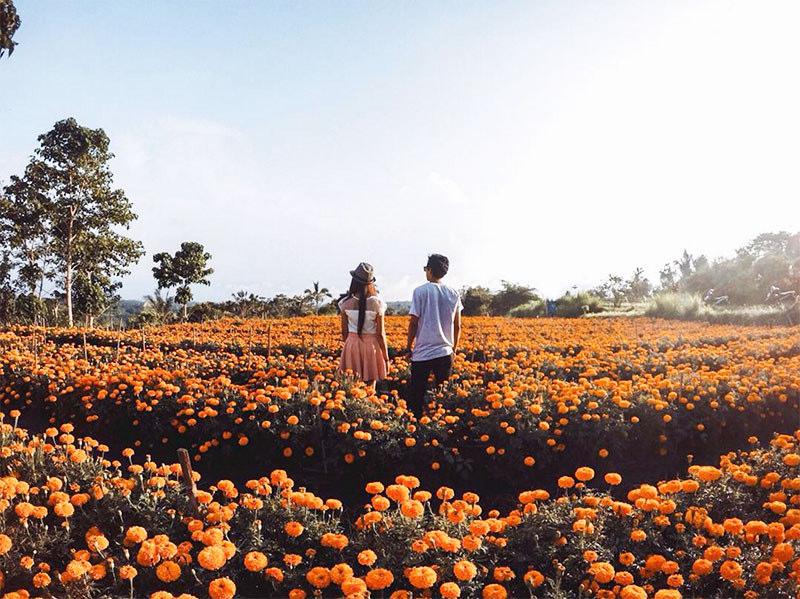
x=364, y=357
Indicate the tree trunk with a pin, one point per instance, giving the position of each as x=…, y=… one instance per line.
x=68, y=282
x=185, y=311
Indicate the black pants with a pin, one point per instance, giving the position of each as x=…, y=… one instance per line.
x=418, y=383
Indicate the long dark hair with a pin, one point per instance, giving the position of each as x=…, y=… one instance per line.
x=358, y=289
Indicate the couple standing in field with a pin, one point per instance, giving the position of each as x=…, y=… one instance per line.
x=433, y=330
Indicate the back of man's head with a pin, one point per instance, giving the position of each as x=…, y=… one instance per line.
x=438, y=265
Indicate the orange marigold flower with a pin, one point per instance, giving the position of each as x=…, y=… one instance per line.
x=379, y=579
x=168, y=571
x=533, y=578
x=5, y=544
x=494, y=591
x=464, y=570
x=255, y=561
x=632, y=591
x=294, y=529
x=212, y=557
x=319, y=577
x=730, y=570
x=221, y=588
x=422, y=577
x=450, y=590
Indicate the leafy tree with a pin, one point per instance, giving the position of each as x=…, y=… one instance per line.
x=510, y=296
x=68, y=186
x=667, y=278
x=684, y=264
x=476, y=301
x=316, y=295
x=612, y=290
x=9, y=23
x=637, y=287
x=767, y=244
x=25, y=234
x=94, y=295
x=7, y=293
x=189, y=266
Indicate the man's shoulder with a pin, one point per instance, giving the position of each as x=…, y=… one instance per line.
x=422, y=288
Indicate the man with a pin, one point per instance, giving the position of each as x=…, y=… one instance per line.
x=433, y=331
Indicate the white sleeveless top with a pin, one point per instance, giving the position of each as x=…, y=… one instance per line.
x=375, y=306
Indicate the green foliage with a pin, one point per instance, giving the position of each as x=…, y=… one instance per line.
x=9, y=23
x=533, y=309
x=189, y=266
x=679, y=306
x=477, y=301
x=575, y=305
x=316, y=295
x=510, y=296
x=617, y=290
x=746, y=278
x=64, y=212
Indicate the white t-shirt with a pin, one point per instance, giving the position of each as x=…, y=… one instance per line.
x=435, y=305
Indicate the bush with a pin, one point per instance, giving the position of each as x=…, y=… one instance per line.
x=574, y=306
x=687, y=306
x=533, y=309
x=676, y=306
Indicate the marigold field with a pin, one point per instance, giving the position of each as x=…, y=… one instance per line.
x=629, y=458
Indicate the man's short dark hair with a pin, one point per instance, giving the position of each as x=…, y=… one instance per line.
x=439, y=265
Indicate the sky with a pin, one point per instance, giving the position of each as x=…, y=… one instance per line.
x=544, y=143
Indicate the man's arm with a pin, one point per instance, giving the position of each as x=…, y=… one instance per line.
x=412, y=332
x=456, y=329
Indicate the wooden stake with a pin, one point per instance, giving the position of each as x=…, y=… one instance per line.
x=188, y=478
x=269, y=340
x=85, y=350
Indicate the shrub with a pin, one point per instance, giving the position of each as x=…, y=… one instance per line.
x=677, y=306
x=532, y=309
x=574, y=306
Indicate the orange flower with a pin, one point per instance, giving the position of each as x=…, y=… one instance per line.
x=379, y=579
x=221, y=588
x=294, y=529
x=255, y=561
x=450, y=590
x=212, y=557
x=5, y=544
x=319, y=577
x=494, y=591
x=422, y=577
x=464, y=570
x=168, y=571
x=730, y=570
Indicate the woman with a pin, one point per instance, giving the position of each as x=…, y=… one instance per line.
x=365, y=351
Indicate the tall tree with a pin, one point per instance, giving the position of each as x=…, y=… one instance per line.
x=316, y=295
x=69, y=186
x=9, y=23
x=25, y=234
x=189, y=266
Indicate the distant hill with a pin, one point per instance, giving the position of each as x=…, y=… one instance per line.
x=398, y=307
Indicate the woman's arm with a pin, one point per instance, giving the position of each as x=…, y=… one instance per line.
x=345, y=327
x=381, y=329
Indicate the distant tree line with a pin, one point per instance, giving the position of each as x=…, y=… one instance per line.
x=64, y=249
